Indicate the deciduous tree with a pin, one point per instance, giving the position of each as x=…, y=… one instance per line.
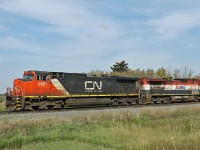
x=161, y=73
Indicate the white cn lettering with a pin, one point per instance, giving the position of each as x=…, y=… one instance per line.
x=91, y=85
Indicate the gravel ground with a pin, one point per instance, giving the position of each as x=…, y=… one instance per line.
x=89, y=111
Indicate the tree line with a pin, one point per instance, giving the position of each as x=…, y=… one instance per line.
x=121, y=68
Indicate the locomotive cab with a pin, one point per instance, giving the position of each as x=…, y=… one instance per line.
x=28, y=76
x=22, y=86
x=37, y=83
x=33, y=83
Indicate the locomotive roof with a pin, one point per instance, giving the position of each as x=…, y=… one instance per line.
x=84, y=74
x=127, y=78
x=156, y=79
x=161, y=80
x=185, y=79
x=42, y=72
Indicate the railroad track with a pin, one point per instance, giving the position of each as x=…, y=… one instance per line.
x=93, y=108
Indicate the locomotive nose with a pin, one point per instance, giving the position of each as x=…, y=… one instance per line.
x=17, y=90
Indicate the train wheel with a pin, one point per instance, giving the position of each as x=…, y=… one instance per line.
x=166, y=100
x=50, y=106
x=139, y=101
x=196, y=99
x=115, y=102
x=11, y=105
x=35, y=107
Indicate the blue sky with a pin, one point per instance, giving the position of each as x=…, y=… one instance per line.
x=84, y=35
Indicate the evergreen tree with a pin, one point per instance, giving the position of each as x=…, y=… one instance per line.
x=121, y=66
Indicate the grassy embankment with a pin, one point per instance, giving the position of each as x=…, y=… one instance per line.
x=151, y=129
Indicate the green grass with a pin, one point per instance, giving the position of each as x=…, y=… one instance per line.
x=150, y=130
x=2, y=98
x=2, y=102
x=63, y=145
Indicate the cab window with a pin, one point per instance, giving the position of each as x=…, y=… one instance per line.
x=43, y=77
x=38, y=77
x=28, y=76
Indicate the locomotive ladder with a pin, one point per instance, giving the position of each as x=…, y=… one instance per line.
x=144, y=97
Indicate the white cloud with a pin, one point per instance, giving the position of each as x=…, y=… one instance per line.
x=89, y=37
x=68, y=18
x=173, y=25
x=14, y=44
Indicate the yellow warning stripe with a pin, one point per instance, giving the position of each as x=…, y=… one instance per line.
x=175, y=94
x=77, y=95
x=104, y=95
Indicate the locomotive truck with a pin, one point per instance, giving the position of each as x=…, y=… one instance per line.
x=57, y=90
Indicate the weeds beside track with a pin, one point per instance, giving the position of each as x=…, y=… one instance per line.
x=151, y=129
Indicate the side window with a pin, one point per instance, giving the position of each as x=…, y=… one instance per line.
x=48, y=77
x=54, y=75
x=43, y=77
x=38, y=77
x=61, y=75
x=57, y=75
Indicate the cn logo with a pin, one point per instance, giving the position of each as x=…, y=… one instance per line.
x=93, y=85
x=180, y=87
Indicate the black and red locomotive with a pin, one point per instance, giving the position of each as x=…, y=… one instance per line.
x=56, y=90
